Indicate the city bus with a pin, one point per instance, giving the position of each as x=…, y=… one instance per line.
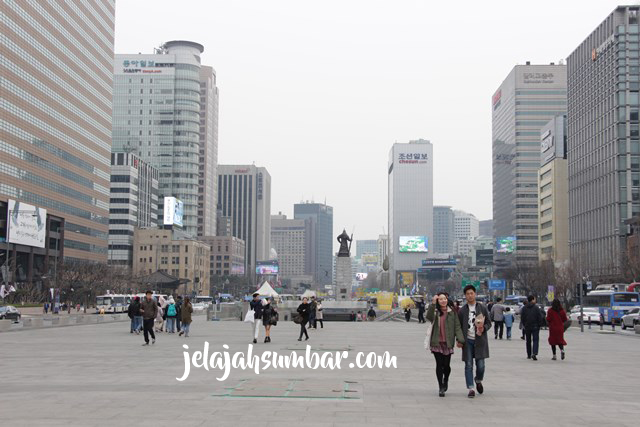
x=612, y=304
x=113, y=303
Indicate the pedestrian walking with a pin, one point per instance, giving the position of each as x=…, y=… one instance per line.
x=475, y=321
x=185, y=314
x=531, y=319
x=269, y=318
x=556, y=317
x=312, y=313
x=446, y=330
x=149, y=310
x=407, y=313
x=46, y=308
x=179, y=310
x=421, y=308
x=303, y=311
x=171, y=314
x=256, y=306
x=371, y=314
x=159, y=321
x=163, y=305
x=508, y=321
x=319, y=315
x=497, y=315
x=133, y=311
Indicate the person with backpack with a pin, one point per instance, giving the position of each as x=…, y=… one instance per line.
x=476, y=322
x=508, y=321
x=445, y=331
x=134, y=313
x=531, y=319
x=303, y=311
x=172, y=314
x=185, y=313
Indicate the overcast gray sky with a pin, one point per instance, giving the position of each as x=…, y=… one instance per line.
x=317, y=92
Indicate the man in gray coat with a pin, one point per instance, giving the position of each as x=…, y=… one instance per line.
x=476, y=345
x=497, y=315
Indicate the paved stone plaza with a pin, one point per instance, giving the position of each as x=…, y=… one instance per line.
x=101, y=375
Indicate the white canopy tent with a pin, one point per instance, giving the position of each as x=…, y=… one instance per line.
x=308, y=294
x=267, y=290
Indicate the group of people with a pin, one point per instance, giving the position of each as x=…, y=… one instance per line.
x=309, y=312
x=467, y=328
x=144, y=314
x=265, y=313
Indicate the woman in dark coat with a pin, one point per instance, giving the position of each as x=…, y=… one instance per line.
x=269, y=313
x=303, y=310
x=556, y=316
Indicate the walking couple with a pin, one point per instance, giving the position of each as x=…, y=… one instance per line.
x=468, y=327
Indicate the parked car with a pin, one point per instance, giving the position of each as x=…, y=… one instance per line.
x=631, y=318
x=198, y=306
x=589, y=312
x=10, y=312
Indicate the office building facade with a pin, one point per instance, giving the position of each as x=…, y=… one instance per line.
x=465, y=225
x=226, y=257
x=443, y=235
x=526, y=100
x=157, y=115
x=410, y=181
x=486, y=228
x=55, y=120
x=133, y=203
x=292, y=240
x=603, y=141
x=553, y=187
x=366, y=247
x=321, y=217
x=208, y=154
x=244, y=196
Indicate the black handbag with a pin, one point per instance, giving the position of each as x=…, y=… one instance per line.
x=567, y=324
x=273, y=320
x=297, y=318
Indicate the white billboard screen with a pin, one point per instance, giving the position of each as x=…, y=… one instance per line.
x=27, y=224
x=173, y=210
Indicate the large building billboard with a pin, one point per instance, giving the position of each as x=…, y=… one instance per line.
x=405, y=278
x=173, y=211
x=505, y=245
x=27, y=224
x=413, y=244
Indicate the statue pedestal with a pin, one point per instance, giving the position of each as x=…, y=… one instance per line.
x=344, y=276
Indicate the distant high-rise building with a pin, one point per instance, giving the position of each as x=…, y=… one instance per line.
x=159, y=103
x=208, y=154
x=366, y=247
x=554, y=192
x=443, y=235
x=465, y=225
x=244, y=195
x=410, y=178
x=56, y=80
x=603, y=144
x=486, y=228
x=383, y=248
x=525, y=101
x=291, y=238
x=134, y=204
x=321, y=217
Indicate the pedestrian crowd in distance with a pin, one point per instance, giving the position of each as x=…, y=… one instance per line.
x=151, y=315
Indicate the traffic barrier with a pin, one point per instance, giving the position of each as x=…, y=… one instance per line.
x=26, y=323
x=637, y=329
x=55, y=321
x=37, y=322
x=63, y=321
x=5, y=324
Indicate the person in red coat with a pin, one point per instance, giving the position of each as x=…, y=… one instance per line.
x=556, y=316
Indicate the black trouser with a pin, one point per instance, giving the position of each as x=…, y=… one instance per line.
x=443, y=368
x=178, y=323
x=303, y=330
x=421, y=317
x=147, y=324
x=532, y=335
x=312, y=322
x=321, y=324
x=498, y=324
x=553, y=348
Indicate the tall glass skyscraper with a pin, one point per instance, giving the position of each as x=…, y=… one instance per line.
x=56, y=77
x=527, y=99
x=321, y=216
x=603, y=146
x=157, y=115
